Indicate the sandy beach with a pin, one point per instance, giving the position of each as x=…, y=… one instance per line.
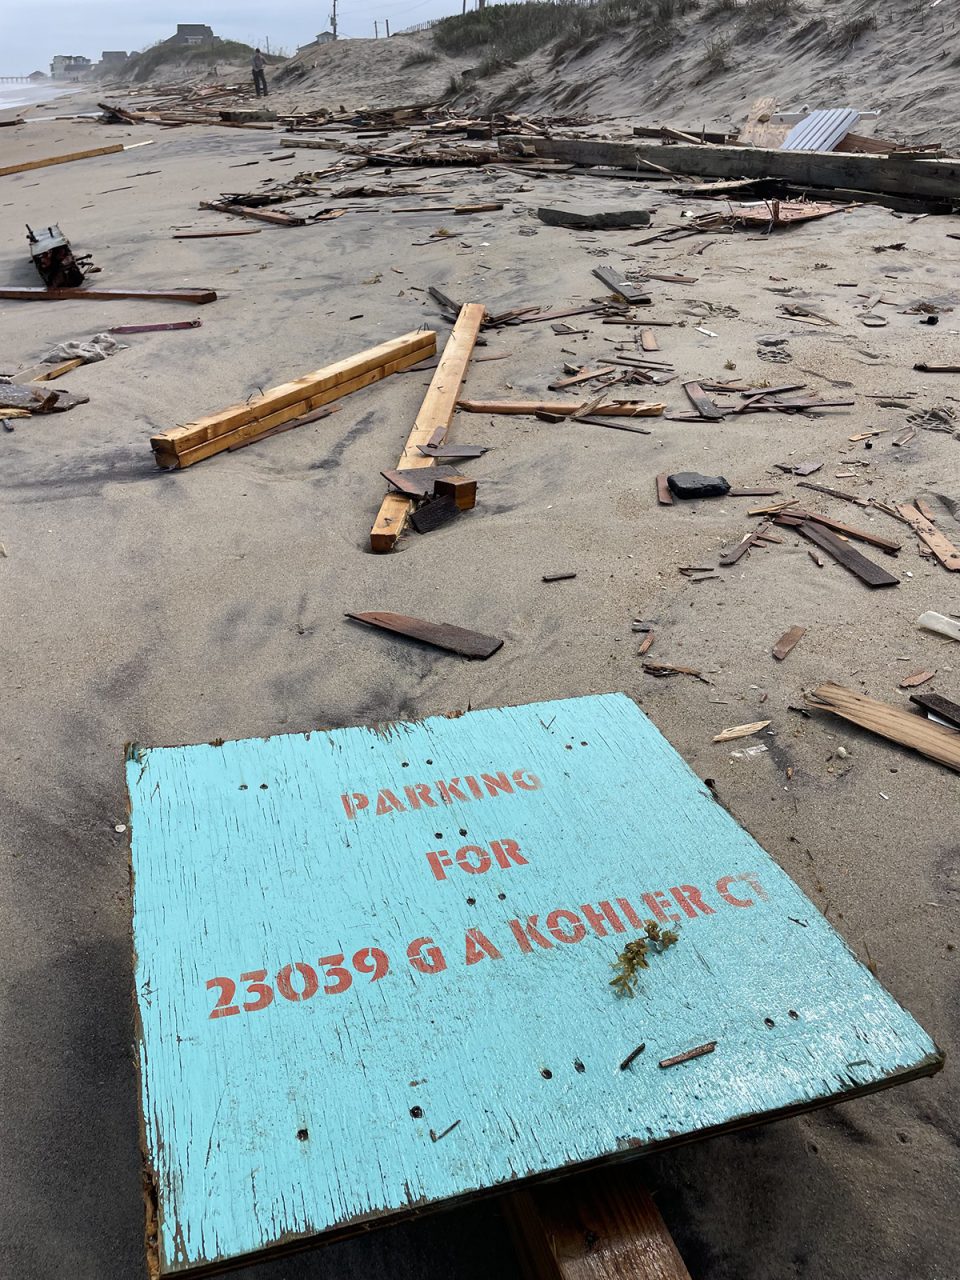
x=141, y=605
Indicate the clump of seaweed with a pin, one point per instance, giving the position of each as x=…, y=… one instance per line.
x=634, y=957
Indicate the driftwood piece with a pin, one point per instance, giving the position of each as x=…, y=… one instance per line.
x=442, y=635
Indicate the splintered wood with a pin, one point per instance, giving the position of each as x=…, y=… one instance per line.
x=932, y=740
x=183, y=446
x=436, y=412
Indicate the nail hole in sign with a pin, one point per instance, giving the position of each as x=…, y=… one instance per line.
x=311, y=984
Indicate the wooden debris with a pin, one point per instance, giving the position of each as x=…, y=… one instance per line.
x=942, y=547
x=30, y=293
x=690, y=1054
x=562, y=408
x=669, y=669
x=702, y=402
x=934, y=704
x=617, y=284
x=459, y=489
x=26, y=165
x=928, y=368
x=155, y=328
x=918, y=678
x=846, y=555
x=932, y=740
x=648, y=340
x=741, y=731
x=212, y=235
x=846, y=530
x=436, y=412
x=443, y=635
x=183, y=446
x=787, y=641
x=832, y=493
x=817, y=560
x=735, y=553
x=599, y=221
x=664, y=496
x=557, y=577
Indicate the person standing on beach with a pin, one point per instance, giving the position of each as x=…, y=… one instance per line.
x=259, y=79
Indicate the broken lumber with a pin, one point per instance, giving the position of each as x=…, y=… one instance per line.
x=600, y=221
x=933, y=704
x=932, y=740
x=34, y=293
x=844, y=554
x=443, y=635
x=562, y=408
x=787, y=642
x=182, y=446
x=896, y=175
x=942, y=547
x=617, y=284
x=26, y=165
x=436, y=412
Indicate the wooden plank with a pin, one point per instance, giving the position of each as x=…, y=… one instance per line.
x=619, y=285
x=27, y=165
x=932, y=740
x=844, y=554
x=787, y=641
x=832, y=493
x=562, y=408
x=35, y=293
x=895, y=175
x=301, y=395
x=602, y=1225
x=648, y=340
x=442, y=635
x=847, y=530
x=702, y=402
x=214, y=235
x=333, y=851
x=938, y=706
x=436, y=412
x=941, y=546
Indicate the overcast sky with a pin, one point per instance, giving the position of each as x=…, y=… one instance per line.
x=31, y=33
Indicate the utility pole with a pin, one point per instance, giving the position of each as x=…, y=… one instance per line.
x=386, y=23
x=333, y=20
x=376, y=33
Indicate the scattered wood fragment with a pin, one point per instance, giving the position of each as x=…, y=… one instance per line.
x=918, y=678
x=442, y=635
x=941, y=546
x=787, y=642
x=645, y=644
x=213, y=235
x=845, y=530
x=690, y=1054
x=735, y=553
x=26, y=165
x=817, y=560
x=617, y=284
x=844, y=554
x=670, y=669
x=600, y=221
x=702, y=402
x=648, y=340
x=436, y=411
x=934, y=704
x=460, y=489
x=155, y=328
x=741, y=731
x=562, y=408
x=832, y=493
x=664, y=496
x=932, y=740
x=182, y=446
x=53, y=371
x=557, y=577
x=30, y=293
x=928, y=368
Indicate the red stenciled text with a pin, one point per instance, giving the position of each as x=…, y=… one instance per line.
x=422, y=795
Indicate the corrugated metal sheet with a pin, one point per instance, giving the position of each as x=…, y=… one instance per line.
x=821, y=130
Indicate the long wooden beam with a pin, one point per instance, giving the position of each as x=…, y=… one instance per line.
x=37, y=293
x=436, y=411
x=895, y=175
x=182, y=446
x=74, y=155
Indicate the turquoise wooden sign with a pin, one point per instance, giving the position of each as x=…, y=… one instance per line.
x=374, y=966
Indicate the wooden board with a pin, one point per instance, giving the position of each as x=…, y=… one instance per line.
x=619, y=284
x=938, y=706
x=896, y=175
x=941, y=546
x=182, y=446
x=487, y=1046
x=26, y=165
x=35, y=293
x=436, y=411
x=787, y=641
x=844, y=554
x=919, y=734
x=563, y=408
x=442, y=635
x=594, y=1226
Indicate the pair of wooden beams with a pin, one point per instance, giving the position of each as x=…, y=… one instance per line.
x=182, y=446
x=436, y=413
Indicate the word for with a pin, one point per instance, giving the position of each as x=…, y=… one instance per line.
x=301, y=981
x=475, y=860
x=421, y=796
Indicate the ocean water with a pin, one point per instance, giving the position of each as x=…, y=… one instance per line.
x=31, y=95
